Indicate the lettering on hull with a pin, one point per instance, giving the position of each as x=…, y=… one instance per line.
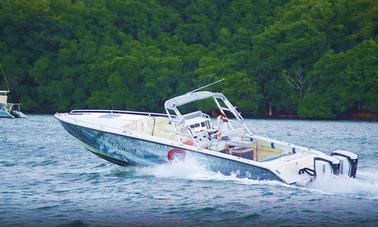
x=120, y=146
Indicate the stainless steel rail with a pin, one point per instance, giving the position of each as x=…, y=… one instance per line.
x=82, y=111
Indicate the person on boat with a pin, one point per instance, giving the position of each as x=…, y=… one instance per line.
x=220, y=144
x=222, y=121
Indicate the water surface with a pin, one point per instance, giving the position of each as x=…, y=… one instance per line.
x=47, y=178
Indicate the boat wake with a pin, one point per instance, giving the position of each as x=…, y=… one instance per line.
x=190, y=169
x=365, y=185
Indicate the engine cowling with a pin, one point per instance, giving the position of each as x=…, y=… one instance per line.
x=326, y=166
x=348, y=162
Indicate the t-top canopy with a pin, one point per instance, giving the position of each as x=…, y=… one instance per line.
x=190, y=97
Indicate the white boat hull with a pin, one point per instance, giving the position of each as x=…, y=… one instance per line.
x=125, y=150
x=103, y=134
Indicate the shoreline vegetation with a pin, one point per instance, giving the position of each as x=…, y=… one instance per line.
x=293, y=59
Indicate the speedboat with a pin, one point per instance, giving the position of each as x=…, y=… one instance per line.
x=146, y=139
x=9, y=110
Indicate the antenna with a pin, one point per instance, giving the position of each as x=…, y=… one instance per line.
x=207, y=85
x=5, y=78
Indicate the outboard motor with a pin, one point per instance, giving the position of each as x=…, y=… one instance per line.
x=326, y=166
x=348, y=162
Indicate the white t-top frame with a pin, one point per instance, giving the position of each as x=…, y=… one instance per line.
x=177, y=119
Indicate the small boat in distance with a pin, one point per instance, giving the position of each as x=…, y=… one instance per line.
x=145, y=139
x=9, y=110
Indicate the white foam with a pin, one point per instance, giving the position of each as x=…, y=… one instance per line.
x=365, y=184
x=191, y=169
x=182, y=169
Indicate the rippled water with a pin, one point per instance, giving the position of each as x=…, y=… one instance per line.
x=48, y=179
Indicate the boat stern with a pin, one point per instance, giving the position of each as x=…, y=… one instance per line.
x=301, y=169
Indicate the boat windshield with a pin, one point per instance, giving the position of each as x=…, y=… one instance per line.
x=199, y=126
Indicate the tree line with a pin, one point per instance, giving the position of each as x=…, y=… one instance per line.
x=303, y=58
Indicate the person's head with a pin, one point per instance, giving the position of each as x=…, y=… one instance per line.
x=216, y=113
